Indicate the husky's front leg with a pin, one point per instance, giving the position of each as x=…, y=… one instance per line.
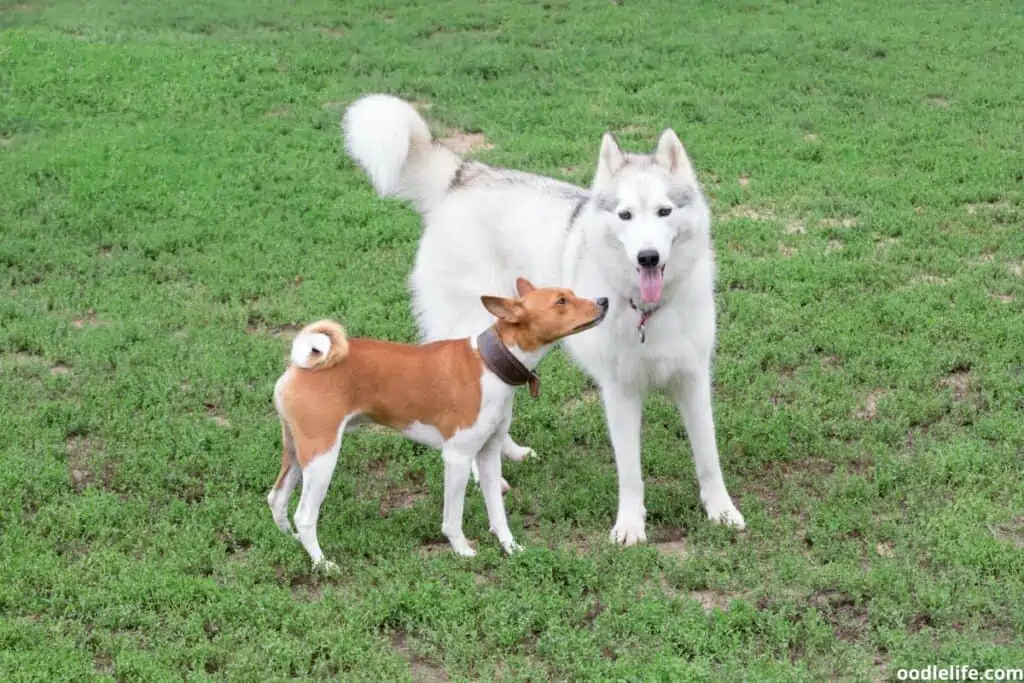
x=693, y=397
x=622, y=407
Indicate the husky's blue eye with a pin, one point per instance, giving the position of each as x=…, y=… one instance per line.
x=625, y=215
x=664, y=211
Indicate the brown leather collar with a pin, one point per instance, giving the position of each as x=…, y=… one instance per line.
x=502, y=363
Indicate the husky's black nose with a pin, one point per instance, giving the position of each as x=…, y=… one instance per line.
x=602, y=302
x=647, y=258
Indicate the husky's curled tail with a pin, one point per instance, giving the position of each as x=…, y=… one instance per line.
x=320, y=345
x=393, y=144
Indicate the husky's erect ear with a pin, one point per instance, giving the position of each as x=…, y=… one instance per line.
x=503, y=309
x=610, y=160
x=671, y=154
x=524, y=286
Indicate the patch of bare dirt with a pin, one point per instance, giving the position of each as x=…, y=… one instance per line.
x=833, y=246
x=786, y=250
x=982, y=207
x=21, y=359
x=1017, y=268
x=422, y=670
x=633, y=128
x=929, y=280
x=286, y=331
x=437, y=548
x=593, y=612
x=307, y=587
x=711, y=600
x=1012, y=532
x=213, y=412
x=748, y=212
x=278, y=112
x=675, y=549
x=462, y=142
x=90, y=319
x=959, y=381
x=103, y=664
x=870, y=407
x=333, y=31
x=81, y=452
x=237, y=551
x=588, y=396
x=795, y=227
x=576, y=544
x=846, y=222
x=743, y=180
x=1003, y=298
x=884, y=549
x=939, y=101
x=59, y=369
x=402, y=498
x=886, y=242
x=849, y=620
x=106, y=252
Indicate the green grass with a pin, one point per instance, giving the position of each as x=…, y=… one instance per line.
x=173, y=201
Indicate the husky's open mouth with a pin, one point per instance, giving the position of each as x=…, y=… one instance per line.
x=651, y=283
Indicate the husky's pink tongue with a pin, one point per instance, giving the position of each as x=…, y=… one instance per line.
x=650, y=285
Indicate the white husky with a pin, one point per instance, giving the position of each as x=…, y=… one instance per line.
x=640, y=236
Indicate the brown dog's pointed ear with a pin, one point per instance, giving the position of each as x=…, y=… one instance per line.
x=503, y=309
x=524, y=286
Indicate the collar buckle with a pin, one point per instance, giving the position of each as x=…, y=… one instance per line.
x=645, y=311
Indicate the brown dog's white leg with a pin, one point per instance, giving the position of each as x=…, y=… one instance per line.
x=456, y=476
x=279, y=496
x=316, y=478
x=513, y=451
x=489, y=463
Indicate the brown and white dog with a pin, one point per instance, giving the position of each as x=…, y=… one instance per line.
x=455, y=395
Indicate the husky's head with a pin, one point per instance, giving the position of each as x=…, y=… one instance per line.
x=647, y=206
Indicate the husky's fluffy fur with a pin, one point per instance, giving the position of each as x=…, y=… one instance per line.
x=640, y=236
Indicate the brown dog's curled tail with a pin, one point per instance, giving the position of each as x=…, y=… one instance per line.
x=320, y=345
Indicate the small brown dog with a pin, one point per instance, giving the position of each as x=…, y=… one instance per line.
x=455, y=395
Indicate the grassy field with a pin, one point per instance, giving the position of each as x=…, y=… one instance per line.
x=173, y=203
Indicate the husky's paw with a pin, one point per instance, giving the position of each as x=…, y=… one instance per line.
x=326, y=567
x=462, y=548
x=628, y=531
x=727, y=514
x=519, y=453
x=511, y=547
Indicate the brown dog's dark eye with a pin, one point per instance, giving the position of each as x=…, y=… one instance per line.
x=561, y=301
